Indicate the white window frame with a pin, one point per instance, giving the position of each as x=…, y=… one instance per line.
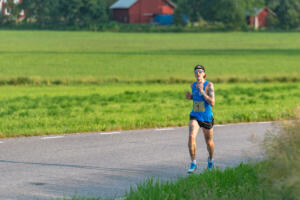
x=6, y=12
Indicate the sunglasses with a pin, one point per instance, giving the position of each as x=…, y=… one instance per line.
x=198, y=71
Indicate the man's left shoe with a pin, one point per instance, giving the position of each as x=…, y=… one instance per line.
x=210, y=164
x=192, y=168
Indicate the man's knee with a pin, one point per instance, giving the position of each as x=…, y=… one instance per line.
x=210, y=142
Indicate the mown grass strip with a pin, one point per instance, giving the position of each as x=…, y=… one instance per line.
x=29, y=111
x=62, y=57
x=35, y=81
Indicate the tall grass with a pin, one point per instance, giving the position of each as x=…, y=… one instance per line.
x=236, y=183
x=27, y=111
x=281, y=170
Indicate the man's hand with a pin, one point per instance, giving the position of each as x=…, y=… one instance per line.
x=188, y=95
x=200, y=86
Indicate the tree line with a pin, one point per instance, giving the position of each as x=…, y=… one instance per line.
x=232, y=13
x=91, y=14
x=58, y=13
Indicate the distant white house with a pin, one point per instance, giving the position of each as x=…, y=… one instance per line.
x=5, y=11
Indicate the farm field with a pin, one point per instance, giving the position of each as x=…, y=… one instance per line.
x=39, y=110
x=46, y=57
x=55, y=82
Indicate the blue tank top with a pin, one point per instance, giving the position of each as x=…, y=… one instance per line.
x=201, y=109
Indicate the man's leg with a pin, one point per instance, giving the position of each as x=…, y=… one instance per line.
x=208, y=135
x=193, y=131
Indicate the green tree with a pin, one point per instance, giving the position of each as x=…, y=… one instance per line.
x=287, y=11
x=252, y=5
x=94, y=11
x=195, y=12
x=209, y=9
x=189, y=8
x=65, y=13
x=232, y=13
x=110, y=2
x=69, y=12
x=40, y=12
x=181, y=10
x=13, y=13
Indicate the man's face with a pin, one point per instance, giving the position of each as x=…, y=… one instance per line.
x=199, y=73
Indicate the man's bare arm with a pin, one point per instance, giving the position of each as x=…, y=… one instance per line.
x=188, y=95
x=209, y=96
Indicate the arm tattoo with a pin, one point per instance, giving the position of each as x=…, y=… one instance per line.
x=210, y=97
x=211, y=90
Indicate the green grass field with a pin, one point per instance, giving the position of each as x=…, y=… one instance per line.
x=62, y=82
x=35, y=110
x=97, y=57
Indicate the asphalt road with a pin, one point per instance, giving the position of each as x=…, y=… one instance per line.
x=108, y=164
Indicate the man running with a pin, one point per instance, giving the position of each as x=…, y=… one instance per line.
x=203, y=97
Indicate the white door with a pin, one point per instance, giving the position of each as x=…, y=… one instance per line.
x=256, y=24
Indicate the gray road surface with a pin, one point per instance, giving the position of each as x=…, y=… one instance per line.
x=107, y=164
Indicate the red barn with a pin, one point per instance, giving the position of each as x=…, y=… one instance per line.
x=259, y=19
x=5, y=10
x=141, y=11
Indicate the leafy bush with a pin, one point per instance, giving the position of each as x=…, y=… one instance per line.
x=280, y=171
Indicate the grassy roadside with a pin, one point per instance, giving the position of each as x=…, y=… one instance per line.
x=237, y=183
x=275, y=178
x=240, y=182
x=29, y=111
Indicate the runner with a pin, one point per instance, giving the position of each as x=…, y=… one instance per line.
x=203, y=97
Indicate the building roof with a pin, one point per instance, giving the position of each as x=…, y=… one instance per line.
x=171, y=3
x=256, y=11
x=129, y=3
x=123, y=4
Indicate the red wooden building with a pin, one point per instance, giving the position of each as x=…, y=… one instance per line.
x=4, y=10
x=259, y=18
x=141, y=11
